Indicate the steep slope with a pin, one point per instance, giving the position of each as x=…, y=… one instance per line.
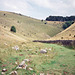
x=8, y=38
x=27, y=28
x=68, y=34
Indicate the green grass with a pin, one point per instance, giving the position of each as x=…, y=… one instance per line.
x=60, y=60
x=29, y=28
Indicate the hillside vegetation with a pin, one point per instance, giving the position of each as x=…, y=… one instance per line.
x=57, y=61
x=60, y=18
x=28, y=28
x=67, y=34
x=18, y=50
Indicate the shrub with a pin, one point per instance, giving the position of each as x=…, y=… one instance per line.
x=4, y=14
x=42, y=20
x=13, y=29
x=67, y=24
x=45, y=23
x=61, y=37
x=4, y=26
x=69, y=34
x=17, y=21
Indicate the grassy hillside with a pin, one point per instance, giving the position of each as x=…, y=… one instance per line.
x=57, y=61
x=28, y=28
x=67, y=34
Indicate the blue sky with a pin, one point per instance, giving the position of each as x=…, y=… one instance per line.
x=39, y=9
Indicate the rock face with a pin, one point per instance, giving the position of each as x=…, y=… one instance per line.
x=43, y=51
x=14, y=73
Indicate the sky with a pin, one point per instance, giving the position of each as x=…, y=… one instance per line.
x=39, y=9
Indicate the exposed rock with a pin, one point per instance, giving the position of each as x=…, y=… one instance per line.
x=4, y=70
x=30, y=69
x=43, y=51
x=46, y=49
x=16, y=63
x=34, y=74
x=50, y=49
x=22, y=65
x=49, y=74
x=27, y=60
x=15, y=47
x=2, y=73
x=30, y=49
x=46, y=55
x=5, y=44
x=25, y=67
x=14, y=73
x=42, y=74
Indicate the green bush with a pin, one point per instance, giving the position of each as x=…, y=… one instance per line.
x=13, y=29
x=67, y=24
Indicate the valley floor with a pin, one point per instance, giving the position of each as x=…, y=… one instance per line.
x=58, y=60
x=33, y=58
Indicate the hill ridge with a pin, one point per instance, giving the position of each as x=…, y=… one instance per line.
x=27, y=28
x=67, y=34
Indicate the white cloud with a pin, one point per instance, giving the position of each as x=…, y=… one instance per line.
x=35, y=8
x=72, y=3
x=15, y=6
x=42, y=3
x=60, y=7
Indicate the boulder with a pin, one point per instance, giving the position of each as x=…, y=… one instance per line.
x=49, y=74
x=50, y=49
x=27, y=60
x=22, y=65
x=14, y=73
x=30, y=69
x=2, y=73
x=4, y=70
x=16, y=48
x=16, y=63
x=43, y=51
x=46, y=55
x=5, y=44
x=42, y=74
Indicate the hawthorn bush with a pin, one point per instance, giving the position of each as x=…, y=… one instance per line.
x=13, y=29
x=67, y=24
